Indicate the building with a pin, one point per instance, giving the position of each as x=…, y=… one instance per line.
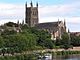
x=75, y=33
x=56, y=29
x=31, y=15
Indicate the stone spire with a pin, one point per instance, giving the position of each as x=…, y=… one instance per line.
x=26, y=4
x=65, y=25
x=58, y=21
x=31, y=4
x=37, y=4
x=18, y=22
x=68, y=31
x=64, y=22
x=69, y=37
x=23, y=22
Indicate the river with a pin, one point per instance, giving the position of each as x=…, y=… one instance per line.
x=70, y=57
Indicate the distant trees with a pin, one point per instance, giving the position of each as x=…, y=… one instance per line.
x=68, y=41
x=75, y=40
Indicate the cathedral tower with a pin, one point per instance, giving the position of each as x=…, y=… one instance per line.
x=31, y=15
x=64, y=25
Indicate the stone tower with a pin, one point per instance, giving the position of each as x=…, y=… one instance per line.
x=31, y=15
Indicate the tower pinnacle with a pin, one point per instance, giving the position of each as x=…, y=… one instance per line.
x=64, y=22
x=58, y=21
x=31, y=4
x=26, y=4
x=68, y=31
x=37, y=4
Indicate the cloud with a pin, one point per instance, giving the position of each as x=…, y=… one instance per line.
x=69, y=12
x=54, y=10
x=11, y=11
x=60, y=10
x=50, y=13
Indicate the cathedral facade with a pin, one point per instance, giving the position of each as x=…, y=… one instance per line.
x=56, y=29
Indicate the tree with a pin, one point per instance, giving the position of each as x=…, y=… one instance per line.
x=1, y=42
x=65, y=41
x=75, y=40
x=11, y=24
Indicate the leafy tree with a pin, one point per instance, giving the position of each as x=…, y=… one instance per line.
x=1, y=42
x=65, y=41
x=11, y=24
x=75, y=40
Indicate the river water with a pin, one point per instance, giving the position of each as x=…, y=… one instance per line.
x=70, y=57
x=67, y=57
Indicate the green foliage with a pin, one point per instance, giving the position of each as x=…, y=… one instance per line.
x=65, y=52
x=29, y=39
x=75, y=40
x=68, y=42
x=64, y=42
x=7, y=32
x=11, y=24
x=19, y=57
x=65, y=36
x=1, y=42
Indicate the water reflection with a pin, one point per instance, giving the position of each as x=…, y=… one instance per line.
x=66, y=57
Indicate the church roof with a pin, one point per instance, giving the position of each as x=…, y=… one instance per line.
x=48, y=25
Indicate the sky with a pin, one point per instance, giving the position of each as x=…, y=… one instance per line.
x=49, y=11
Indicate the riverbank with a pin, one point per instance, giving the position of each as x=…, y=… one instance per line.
x=33, y=55
x=36, y=56
x=75, y=50
x=55, y=50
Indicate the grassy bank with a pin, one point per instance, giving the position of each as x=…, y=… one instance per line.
x=65, y=52
x=19, y=57
x=35, y=56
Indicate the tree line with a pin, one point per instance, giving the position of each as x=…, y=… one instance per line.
x=31, y=38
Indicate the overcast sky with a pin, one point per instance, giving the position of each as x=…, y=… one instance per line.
x=49, y=11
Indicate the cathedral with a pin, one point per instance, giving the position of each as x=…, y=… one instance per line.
x=56, y=29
